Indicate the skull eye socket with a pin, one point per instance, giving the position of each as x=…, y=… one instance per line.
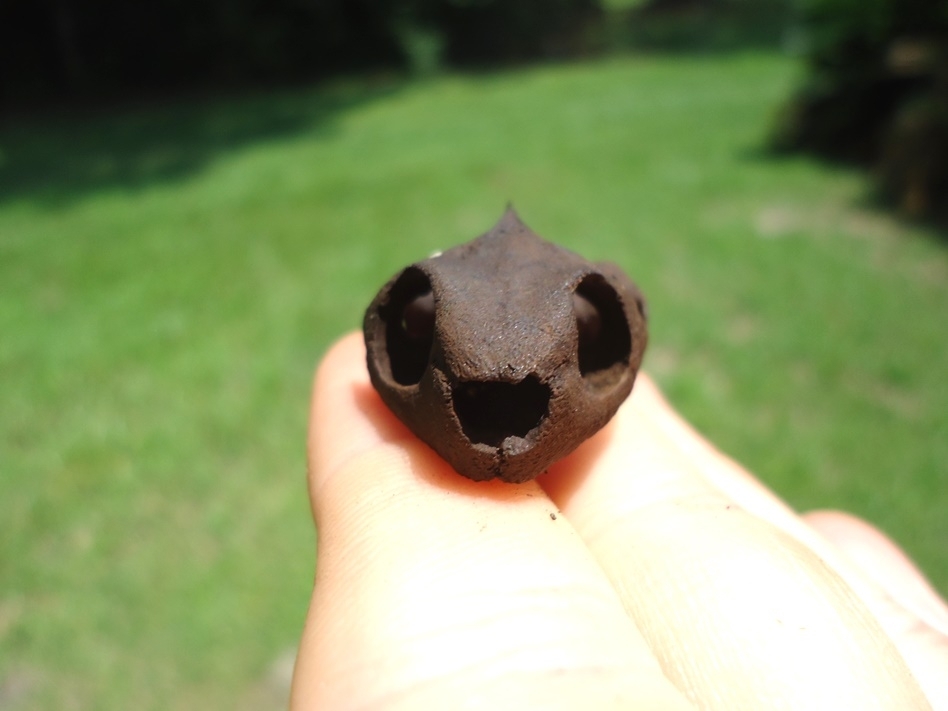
x=409, y=318
x=604, y=338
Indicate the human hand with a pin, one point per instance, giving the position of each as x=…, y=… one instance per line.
x=644, y=571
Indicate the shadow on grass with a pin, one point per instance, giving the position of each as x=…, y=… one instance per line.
x=58, y=158
x=872, y=198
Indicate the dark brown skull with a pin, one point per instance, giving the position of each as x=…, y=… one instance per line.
x=505, y=353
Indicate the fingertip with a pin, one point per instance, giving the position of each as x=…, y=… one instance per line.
x=347, y=417
x=645, y=388
x=343, y=361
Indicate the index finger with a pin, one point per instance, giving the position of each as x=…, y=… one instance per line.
x=432, y=589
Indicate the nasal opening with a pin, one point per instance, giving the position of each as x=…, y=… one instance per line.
x=490, y=412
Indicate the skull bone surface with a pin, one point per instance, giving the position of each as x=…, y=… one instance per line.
x=506, y=353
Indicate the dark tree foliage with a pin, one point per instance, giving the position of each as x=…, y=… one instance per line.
x=64, y=50
x=484, y=32
x=55, y=49
x=877, y=94
x=708, y=25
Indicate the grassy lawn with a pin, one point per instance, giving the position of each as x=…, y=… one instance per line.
x=169, y=277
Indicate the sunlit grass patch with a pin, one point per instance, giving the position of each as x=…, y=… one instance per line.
x=162, y=307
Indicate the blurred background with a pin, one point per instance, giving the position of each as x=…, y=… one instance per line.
x=197, y=198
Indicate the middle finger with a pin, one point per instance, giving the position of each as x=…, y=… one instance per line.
x=736, y=609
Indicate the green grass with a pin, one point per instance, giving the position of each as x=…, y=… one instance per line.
x=169, y=277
